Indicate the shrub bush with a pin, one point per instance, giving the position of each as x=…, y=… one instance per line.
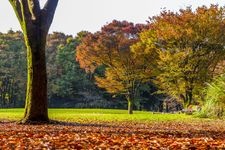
x=214, y=105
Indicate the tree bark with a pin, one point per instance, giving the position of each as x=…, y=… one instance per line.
x=188, y=98
x=36, y=108
x=130, y=105
x=35, y=23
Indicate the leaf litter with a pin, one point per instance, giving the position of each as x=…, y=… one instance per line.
x=120, y=135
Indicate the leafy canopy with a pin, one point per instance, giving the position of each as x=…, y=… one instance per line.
x=188, y=45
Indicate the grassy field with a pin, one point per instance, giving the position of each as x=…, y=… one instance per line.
x=97, y=115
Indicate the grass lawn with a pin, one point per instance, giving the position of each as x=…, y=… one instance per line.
x=97, y=115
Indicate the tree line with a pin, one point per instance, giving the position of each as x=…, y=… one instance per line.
x=68, y=84
x=177, y=51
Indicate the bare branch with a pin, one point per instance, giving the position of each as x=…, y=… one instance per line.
x=48, y=13
x=25, y=11
x=34, y=8
x=17, y=9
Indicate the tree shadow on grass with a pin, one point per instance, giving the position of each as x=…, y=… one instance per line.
x=75, y=124
x=120, y=129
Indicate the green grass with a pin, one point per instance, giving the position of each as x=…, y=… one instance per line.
x=97, y=115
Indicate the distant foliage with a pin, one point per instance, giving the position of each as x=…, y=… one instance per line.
x=68, y=85
x=12, y=69
x=7, y=92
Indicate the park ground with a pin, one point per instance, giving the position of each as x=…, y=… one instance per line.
x=111, y=129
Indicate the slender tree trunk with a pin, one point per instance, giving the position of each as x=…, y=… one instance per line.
x=130, y=104
x=167, y=107
x=188, y=98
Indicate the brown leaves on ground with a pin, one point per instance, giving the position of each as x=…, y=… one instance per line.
x=155, y=135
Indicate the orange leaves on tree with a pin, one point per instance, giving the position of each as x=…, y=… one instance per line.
x=188, y=46
x=111, y=48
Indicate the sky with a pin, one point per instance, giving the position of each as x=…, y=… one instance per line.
x=73, y=16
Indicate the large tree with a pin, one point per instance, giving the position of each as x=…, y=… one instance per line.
x=189, y=46
x=35, y=23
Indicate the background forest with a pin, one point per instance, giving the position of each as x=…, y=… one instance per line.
x=68, y=85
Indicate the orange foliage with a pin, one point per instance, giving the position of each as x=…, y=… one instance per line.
x=111, y=47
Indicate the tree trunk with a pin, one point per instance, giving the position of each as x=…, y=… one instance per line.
x=188, y=98
x=35, y=23
x=130, y=105
x=36, y=108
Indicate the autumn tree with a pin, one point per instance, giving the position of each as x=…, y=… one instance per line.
x=35, y=23
x=189, y=44
x=110, y=49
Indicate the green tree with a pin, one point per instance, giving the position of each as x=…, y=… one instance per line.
x=54, y=41
x=35, y=23
x=71, y=79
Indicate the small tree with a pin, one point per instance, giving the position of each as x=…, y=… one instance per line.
x=35, y=23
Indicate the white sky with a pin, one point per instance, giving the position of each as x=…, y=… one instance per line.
x=73, y=16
